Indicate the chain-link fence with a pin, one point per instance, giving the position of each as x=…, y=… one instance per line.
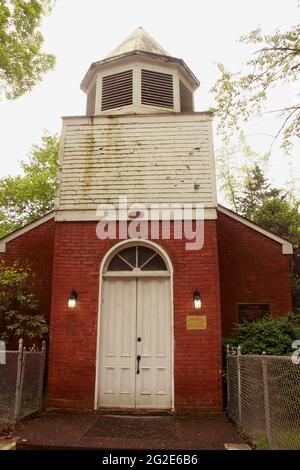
x=21, y=383
x=264, y=399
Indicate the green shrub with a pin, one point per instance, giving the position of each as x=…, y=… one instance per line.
x=273, y=336
x=19, y=315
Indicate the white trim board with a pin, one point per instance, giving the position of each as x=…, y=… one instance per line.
x=81, y=215
x=287, y=247
x=17, y=233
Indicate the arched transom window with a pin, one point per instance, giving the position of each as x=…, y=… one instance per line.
x=136, y=259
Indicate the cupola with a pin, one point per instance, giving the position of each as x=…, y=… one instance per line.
x=139, y=76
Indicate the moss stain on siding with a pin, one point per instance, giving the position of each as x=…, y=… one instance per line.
x=89, y=161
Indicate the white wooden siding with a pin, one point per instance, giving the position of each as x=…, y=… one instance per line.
x=151, y=159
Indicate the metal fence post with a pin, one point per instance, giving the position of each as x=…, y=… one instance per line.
x=228, y=379
x=42, y=370
x=238, y=354
x=267, y=400
x=19, y=379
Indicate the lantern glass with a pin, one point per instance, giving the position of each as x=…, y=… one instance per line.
x=72, y=301
x=197, y=300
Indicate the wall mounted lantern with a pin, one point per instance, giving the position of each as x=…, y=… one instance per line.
x=197, y=300
x=72, y=302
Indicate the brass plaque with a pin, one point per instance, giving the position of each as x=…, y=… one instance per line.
x=196, y=322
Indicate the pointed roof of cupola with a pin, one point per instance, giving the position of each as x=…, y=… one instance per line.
x=141, y=41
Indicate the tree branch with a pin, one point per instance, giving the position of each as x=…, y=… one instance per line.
x=282, y=127
x=272, y=67
x=292, y=50
x=279, y=110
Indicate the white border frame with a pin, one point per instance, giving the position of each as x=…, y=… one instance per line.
x=110, y=253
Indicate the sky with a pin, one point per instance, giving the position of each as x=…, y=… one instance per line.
x=203, y=33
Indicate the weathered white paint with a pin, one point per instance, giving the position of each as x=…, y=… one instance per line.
x=287, y=247
x=133, y=308
x=118, y=343
x=137, y=64
x=153, y=384
x=137, y=60
x=136, y=57
x=90, y=214
x=151, y=159
x=134, y=274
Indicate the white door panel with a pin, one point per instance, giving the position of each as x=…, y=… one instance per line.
x=153, y=384
x=133, y=308
x=117, y=336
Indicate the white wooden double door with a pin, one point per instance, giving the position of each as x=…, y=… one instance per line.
x=136, y=343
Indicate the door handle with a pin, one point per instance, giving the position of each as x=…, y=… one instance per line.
x=138, y=358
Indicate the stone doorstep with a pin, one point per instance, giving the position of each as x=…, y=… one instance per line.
x=236, y=446
x=7, y=444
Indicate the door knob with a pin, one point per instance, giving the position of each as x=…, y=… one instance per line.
x=138, y=358
x=139, y=339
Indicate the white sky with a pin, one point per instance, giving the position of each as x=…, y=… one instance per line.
x=80, y=32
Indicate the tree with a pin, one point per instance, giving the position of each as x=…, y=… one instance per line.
x=280, y=216
x=283, y=218
x=26, y=198
x=250, y=194
x=255, y=192
x=19, y=317
x=22, y=63
x=240, y=174
x=275, y=63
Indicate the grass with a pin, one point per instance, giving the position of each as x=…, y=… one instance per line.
x=281, y=440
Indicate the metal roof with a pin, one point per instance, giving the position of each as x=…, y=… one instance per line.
x=139, y=43
x=139, y=40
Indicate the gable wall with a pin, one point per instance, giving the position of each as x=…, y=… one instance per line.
x=35, y=248
x=252, y=270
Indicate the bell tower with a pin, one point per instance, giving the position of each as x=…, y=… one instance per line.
x=140, y=136
x=139, y=77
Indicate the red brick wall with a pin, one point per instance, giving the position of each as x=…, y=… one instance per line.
x=252, y=270
x=35, y=248
x=197, y=361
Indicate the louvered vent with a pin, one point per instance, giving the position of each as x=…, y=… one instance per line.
x=186, y=98
x=91, y=101
x=117, y=90
x=157, y=89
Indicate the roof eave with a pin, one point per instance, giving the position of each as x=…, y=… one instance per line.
x=88, y=76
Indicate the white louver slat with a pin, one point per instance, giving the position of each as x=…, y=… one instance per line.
x=157, y=89
x=117, y=90
x=186, y=98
